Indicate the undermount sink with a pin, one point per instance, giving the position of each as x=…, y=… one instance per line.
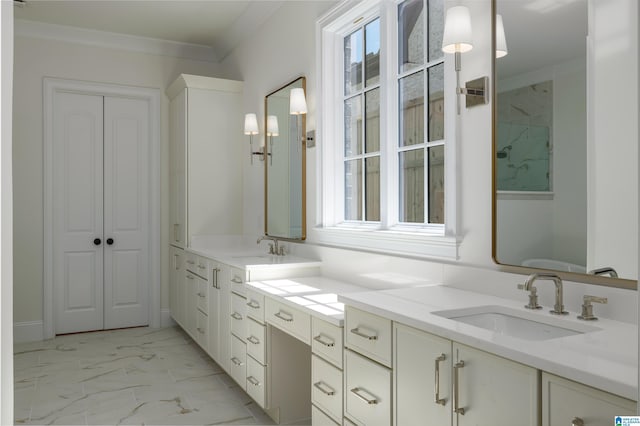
x=515, y=323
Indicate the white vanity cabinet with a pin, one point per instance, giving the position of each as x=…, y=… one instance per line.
x=215, y=275
x=176, y=284
x=205, y=135
x=565, y=402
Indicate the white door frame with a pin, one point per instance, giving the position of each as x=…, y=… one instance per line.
x=52, y=86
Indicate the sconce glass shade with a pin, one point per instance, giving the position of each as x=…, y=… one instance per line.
x=501, y=40
x=297, y=102
x=457, y=31
x=251, y=124
x=272, y=125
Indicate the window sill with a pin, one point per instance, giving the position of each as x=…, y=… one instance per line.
x=395, y=242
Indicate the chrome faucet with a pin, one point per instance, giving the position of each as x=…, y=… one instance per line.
x=274, y=248
x=558, y=308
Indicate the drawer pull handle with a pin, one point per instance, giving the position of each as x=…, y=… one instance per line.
x=236, y=361
x=253, y=339
x=201, y=295
x=190, y=277
x=236, y=280
x=253, y=304
x=201, y=266
x=236, y=316
x=322, y=387
x=191, y=262
x=577, y=421
x=284, y=316
x=358, y=392
x=175, y=232
x=253, y=381
x=437, y=399
x=357, y=332
x=321, y=339
x=200, y=330
x=456, y=387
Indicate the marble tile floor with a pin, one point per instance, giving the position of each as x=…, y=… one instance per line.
x=138, y=376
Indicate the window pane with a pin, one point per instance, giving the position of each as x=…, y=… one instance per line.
x=412, y=109
x=372, y=48
x=372, y=188
x=436, y=103
x=372, y=133
x=436, y=184
x=353, y=63
x=353, y=126
x=436, y=28
x=412, y=186
x=410, y=34
x=353, y=190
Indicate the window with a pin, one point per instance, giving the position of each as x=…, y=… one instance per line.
x=385, y=122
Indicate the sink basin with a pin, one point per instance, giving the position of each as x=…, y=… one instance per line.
x=516, y=323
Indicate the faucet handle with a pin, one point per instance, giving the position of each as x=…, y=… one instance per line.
x=587, y=307
x=533, y=297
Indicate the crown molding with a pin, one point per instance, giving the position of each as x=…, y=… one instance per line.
x=109, y=40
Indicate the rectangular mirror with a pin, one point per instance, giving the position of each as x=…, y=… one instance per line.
x=285, y=157
x=565, y=147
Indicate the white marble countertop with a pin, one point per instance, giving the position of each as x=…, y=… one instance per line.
x=606, y=359
x=252, y=258
x=317, y=296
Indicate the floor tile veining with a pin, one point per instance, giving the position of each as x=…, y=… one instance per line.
x=133, y=376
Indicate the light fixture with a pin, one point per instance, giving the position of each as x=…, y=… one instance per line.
x=501, y=40
x=458, y=39
x=251, y=129
x=298, y=107
x=272, y=130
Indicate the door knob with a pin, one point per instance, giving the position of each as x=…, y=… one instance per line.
x=97, y=241
x=110, y=241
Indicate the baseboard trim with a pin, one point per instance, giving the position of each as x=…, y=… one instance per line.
x=28, y=331
x=165, y=318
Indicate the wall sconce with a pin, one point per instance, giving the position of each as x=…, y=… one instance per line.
x=251, y=129
x=297, y=107
x=501, y=40
x=272, y=130
x=457, y=39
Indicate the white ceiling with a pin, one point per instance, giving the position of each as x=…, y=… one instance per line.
x=218, y=24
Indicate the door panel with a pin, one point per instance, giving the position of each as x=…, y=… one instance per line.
x=77, y=212
x=126, y=188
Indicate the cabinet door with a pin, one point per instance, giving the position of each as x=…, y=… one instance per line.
x=214, y=313
x=224, y=318
x=177, y=169
x=564, y=400
x=422, y=366
x=494, y=390
x=176, y=276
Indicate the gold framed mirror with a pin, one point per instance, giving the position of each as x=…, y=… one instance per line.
x=285, y=165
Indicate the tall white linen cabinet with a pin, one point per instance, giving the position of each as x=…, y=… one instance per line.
x=205, y=164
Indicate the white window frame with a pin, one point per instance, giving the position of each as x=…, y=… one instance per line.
x=388, y=235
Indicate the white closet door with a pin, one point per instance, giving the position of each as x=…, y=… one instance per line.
x=77, y=212
x=126, y=213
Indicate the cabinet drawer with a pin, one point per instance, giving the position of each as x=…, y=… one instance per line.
x=347, y=422
x=190, y=262
x=256, y=339
x=201, y=329
x=202, y=267
x=238, y=362
x=289, y=320
x=256, y=382
x=326, y=390
x=367, y=390
x=202, y=292
x=237, y=279
x=318, y=418
x=368, y=334
x=327, y=341
x=238, y=316
x=255, y=305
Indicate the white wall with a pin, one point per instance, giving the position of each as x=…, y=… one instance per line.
x=35, y=59
x=286, y=48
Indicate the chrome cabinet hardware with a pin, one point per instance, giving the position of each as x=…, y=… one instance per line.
x=175, y=262
x=253, y=381
x=253, y=339
x=191, y=262
x=284, y=316
x=357, y=332
x=190, y=277
x=253, y=304
x=236, y=316
x=236, y=279
x=577, y=421
x=236, y=361
x=200, y=330
x=456, y=387
x=587, y=307
x=201, y=295
x=324, y=388
x=175, y=232
x=214, y=281
x=325, y=341
x=359, y=393
x=437, y=399
x=533, y=297
x=201, y=266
